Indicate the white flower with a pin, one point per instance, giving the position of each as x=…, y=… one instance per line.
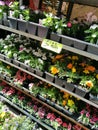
x=0, y=10
x=27, y=62
x=94, y=35
x=94, y=26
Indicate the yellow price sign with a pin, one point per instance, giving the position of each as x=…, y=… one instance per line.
x=52, y=45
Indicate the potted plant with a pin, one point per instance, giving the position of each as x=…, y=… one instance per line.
x=14, y=13
x=92, y=38
x=23, y=19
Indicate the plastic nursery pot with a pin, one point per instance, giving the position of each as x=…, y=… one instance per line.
x=16, y=62
x=60, y=108
x=39, y=73
x=41, y=98
x=2, y=56
x=79, y=44
x=42, y=31
x=12, y=22
x=49, y=76
x=81, y=92
x=69, y=86
x=59, y=81
x=32, y=28
x=22, y=25
x=92, y=48
x=65, y=111
x=55, y=37
x=93, y=98
x=22, y=65
x=6, y=22
x=50, y=102
x=30, y=69
x=9, y=59
x=1, y=21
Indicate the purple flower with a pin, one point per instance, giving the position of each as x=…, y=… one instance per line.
x=2, y=3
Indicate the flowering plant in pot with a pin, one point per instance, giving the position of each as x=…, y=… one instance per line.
x=92, y=34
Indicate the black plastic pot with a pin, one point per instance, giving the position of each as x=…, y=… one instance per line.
x=69, y=86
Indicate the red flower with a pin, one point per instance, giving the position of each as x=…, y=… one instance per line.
x=69, y=24
x=65, y=125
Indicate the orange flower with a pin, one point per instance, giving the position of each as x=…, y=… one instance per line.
x=69, y=66
x=91, y=68
x=54, y=70
x=64, y=103
x=59, y=56
x=82, y=64
x=89, y=84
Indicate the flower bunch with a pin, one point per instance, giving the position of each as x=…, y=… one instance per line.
x=89, y=116
x=69, y=102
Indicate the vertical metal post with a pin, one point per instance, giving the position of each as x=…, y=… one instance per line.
x=59, y=7
x=69, y=10
x=40, y=4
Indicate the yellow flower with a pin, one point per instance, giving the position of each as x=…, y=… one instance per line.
x=70, y=103
x=89, y=83
x=73, y=69
x=8, y=67
x=75, y=58
x=54, y=70
x=2, y=114
x=96, y=76
x=86, y=71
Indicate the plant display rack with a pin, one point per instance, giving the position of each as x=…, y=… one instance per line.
x=68, y=48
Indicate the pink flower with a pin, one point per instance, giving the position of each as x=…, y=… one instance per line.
x=59, y=120
x=65, y=125
x=52, y=117
x=69, y=24
x=49, y=115
x=69, y=126
x=2, y=3
x=29, y=103
x=35, y=108
x=87, y=114
x=82, y=112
